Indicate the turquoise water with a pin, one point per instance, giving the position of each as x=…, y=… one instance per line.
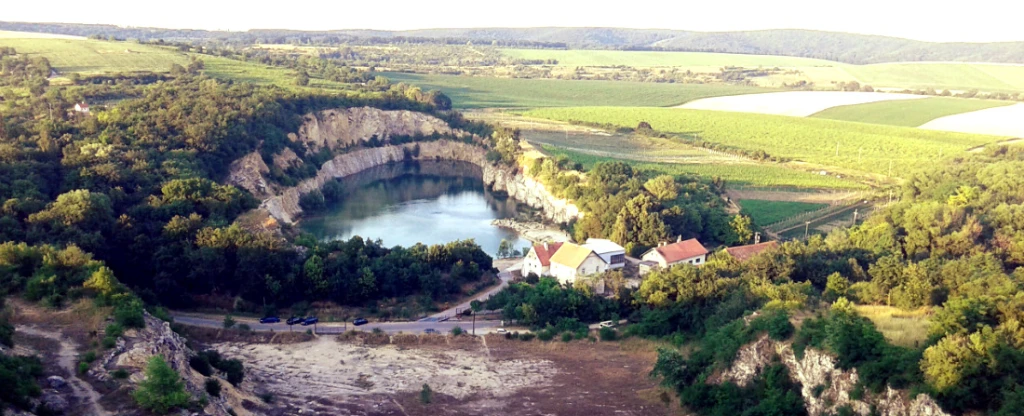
x=429, y=202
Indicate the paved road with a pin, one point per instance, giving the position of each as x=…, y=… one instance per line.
x=215, y=321
x=505, y=276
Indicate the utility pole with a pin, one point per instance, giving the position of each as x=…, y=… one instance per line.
x=855, y=217
x=474, y=323
x=807, y=226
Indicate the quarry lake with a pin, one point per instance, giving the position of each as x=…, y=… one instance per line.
x=429, y=202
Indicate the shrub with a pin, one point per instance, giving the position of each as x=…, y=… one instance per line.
x=18, y=377
x=109, y=342
x=456, y=331
x=244, y=327
x=426, y=394
x=213, y=387
x=267, y=397
x=114, y=330
x=83, y=367
x=527, y=336
x=89, y=356
x=608, y=334
x=566, y=336
x=162, y=390
x=120, y=374
x=817, y=390
x=229, y=322
x=128, y=313
x=201, y=364
x=545, y=335
x=234, y=369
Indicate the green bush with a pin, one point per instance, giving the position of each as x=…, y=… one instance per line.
x=83, y=367
x=162, y=390
x=607, y=334
x=527, y=336
x=545, y=335
x=426, y=394
x=229, y=322
x=128, y=313
x=114, y=330
x=120, y=374
x=267, y=397
x=201, y=364
x=108, y=342
x=234, y=370
x=212, y=387
x=18, y=377
x=244, y=328
x=456, y=331
x=89, y=356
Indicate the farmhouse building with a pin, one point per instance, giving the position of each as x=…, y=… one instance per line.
x=572, y=261
x=538, y=260
x=82, y=107
x=612, y=254
x=667, y=255
x=744, y=253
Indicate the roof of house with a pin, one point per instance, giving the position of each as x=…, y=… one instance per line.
x=681, y=251
x=744, y=253
x=544, y=253
x=571, y=255
x=601, y=246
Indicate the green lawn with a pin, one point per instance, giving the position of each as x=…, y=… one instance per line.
x=942, y=75
x=224, y=68
x=573, y=58
x=735, y=175
x=858, y=146
x=909, y=113
x=96, y=56
x=485, y=92
x=768, y=212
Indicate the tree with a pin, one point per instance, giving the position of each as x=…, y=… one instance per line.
x=426, y=394
x=742, y=226
x=162, y=390
x=313, y=269
x=663, y=187
x=229, y=322
x=302, y=79
x=836, y=287
x=505, y=249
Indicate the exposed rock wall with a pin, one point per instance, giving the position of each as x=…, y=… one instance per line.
x=337, y=129
x=817, y=368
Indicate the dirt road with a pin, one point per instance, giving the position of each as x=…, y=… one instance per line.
x=67, y=358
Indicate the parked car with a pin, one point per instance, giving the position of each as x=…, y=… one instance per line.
x=270, y=320
x=502, y=331
x=360, y=321
x=294, y=320
x=607, y=324
x=310, y=321
x=430, y=331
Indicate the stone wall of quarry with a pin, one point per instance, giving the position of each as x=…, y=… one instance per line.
x=816, y=368
x=340, y=128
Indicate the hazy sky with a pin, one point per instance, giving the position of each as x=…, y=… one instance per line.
x=935, y=20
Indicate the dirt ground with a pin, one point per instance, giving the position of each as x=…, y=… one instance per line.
x=469, y=376
x=824, y=197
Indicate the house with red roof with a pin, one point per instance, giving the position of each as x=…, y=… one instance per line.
x=744, y=253
x=681, y=252
x=538, y=260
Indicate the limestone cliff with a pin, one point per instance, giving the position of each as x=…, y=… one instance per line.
x=817, y=368
x=336, y=129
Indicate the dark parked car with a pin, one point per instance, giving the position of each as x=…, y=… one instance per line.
x=430, y=331
x=270, y=320
x=310, y=321
x=360, y=321
x=294, y=320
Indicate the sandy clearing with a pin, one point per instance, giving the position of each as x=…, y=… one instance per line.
x=328, y=369
x=4, y=34
x=998, y=121
x=68, y=358
x=792, y=103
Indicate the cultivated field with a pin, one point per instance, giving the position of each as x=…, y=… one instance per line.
x=736, y=175
x=857, y=146
x=941, y=76
x=95, y=56
x=792, y=103
x=573, y=58
x=909, y=113
x=482, y=92
x=768, y=212
x=1002, y=121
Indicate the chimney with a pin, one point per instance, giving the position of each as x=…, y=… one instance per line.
x=757, y=238
x=545, y=246
x=679, y=238
x=661, y=244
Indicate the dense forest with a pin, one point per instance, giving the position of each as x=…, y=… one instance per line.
x=842, y=47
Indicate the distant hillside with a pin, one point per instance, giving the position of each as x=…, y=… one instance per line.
x=842, y=47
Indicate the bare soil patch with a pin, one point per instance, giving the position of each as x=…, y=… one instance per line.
x=823, y=197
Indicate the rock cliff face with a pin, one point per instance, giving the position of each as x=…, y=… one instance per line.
x=334, y=129
x=817, y=368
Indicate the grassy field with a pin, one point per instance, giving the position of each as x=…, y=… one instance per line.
x=903, y=328
x=96, y=56
x=735, y=175
x=482, y=92
x=940, y=76
x=575, y=58
x=909, y=113
x=856, y=146
x=224, y=68
x=768, y=212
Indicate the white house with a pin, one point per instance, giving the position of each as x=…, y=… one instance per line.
x=538, y=260
x=667, y=255
x=572, y=261
x=82, y=107
x=612, y=254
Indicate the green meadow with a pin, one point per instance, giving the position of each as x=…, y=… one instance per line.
x=908, y=113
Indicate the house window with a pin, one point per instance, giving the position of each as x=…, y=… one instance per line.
x=697, y=260
x=618, y=258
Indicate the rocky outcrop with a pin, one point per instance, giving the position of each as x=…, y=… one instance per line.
x=817, y=370
x=334, y=129
x=338, y=129
x=134, y=349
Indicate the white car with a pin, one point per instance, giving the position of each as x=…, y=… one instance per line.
x=501, y=331
x=606, y=324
